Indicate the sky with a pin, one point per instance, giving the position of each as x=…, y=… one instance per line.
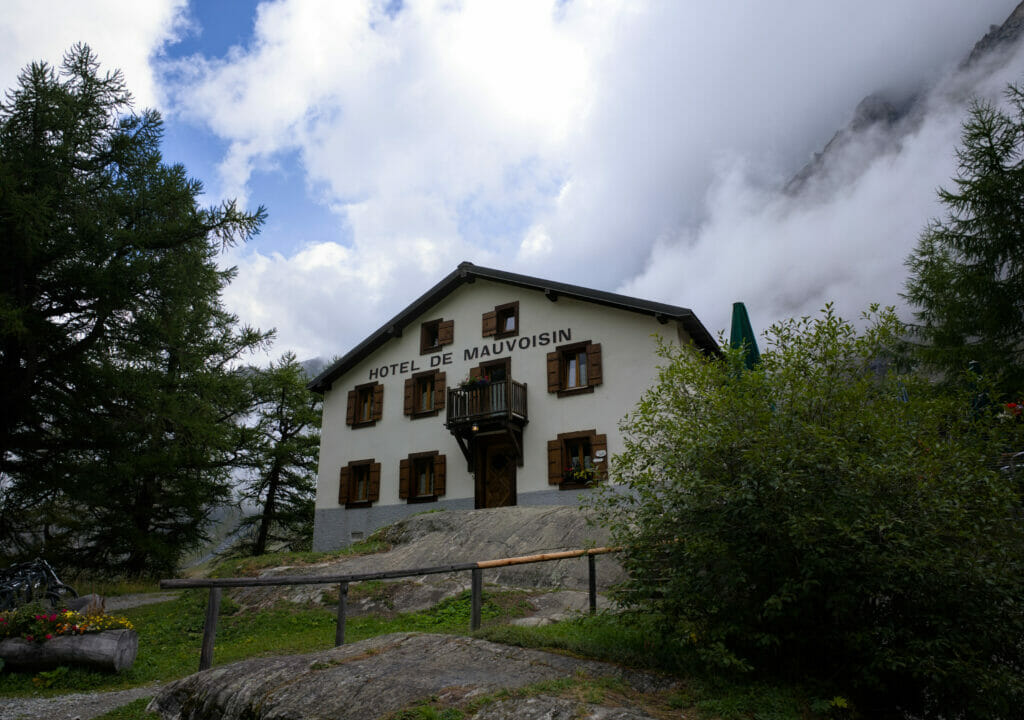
x=630, y=146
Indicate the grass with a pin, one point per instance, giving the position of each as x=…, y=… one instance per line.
x=135, y=710
x=170, y=635
x=110, y=587
x=250, y=566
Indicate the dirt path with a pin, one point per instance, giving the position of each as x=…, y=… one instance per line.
x=77, y=706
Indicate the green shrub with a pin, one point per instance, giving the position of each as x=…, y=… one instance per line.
x=823, y=516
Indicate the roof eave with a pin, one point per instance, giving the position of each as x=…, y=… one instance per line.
x=467, y=272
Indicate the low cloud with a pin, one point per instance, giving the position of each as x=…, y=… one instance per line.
x=637, y=147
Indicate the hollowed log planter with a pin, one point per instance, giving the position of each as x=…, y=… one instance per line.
x=111, y=650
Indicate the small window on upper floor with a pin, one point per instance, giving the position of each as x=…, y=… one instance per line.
x=575, y=368
x=425, y=394
x=365, y=405
x=435, y=334
x=503, y=321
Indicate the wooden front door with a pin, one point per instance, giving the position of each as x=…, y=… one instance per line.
x=496, y=474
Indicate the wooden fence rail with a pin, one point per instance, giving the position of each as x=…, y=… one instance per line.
x=215, y=585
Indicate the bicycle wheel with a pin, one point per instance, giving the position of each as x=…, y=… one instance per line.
x=59, y=594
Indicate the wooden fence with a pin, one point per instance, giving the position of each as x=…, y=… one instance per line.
x=216, y=585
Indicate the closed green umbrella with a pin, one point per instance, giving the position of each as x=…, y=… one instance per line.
x=742, y=335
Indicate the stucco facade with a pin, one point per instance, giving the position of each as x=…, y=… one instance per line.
x=497, y=449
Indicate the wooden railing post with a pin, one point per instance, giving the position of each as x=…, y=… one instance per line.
x=210, y=629
x=477, y=598
x=592, y=567
x=339, y=632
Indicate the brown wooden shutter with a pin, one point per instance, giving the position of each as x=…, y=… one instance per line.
x=403, y=478
x=490, y=322
x=410, y=389
x=374, y=491
x=439, y=474
x=554, y=462
x=343, y=485
x=350, y=413
x=554, y=374
x=600, y=442
x=378, y=401
x=446, y=332
x=440, y=391
x=475, y=372
x=594, y=364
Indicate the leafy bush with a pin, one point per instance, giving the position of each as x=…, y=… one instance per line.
x=824, y=516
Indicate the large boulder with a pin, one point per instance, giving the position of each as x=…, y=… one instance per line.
x=380, y=676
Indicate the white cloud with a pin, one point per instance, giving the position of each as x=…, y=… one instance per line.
x=640, y=145
x=125, y=35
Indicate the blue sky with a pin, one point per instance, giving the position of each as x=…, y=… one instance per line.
x=632, y=146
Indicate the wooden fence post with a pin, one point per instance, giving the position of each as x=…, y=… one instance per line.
x=592, y=567
x=339, y=632
x=477, y=594
x=210, y=629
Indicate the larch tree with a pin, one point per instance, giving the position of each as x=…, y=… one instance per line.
x=117, y=358
x=966, y=281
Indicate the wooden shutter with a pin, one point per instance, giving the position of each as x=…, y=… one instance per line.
x=490, y=322
x=410, y=389
x=554, y=372
x=446, y=332
x=350, y=413
x=439, y=474
x=474, y=372
x=403, y=478
x=378, y=401
x=440, y=391
x=343, y=485
x=373, y=494
x=554, y=462
x=600, y=442
x=594, y=364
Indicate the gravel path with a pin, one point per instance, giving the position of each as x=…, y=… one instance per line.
x=79, y=706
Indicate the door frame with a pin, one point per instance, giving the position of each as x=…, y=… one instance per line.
x=481, y=446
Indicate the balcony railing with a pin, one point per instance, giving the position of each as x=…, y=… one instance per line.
x=499, y=400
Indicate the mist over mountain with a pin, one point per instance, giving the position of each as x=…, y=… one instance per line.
x=839, y=228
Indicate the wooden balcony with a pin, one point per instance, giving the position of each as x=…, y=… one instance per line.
x=492, y=404
x=495, y=409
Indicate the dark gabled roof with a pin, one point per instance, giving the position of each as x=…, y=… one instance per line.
x=467, y=272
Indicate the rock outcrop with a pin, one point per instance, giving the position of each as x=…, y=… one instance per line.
x=455, y=536
x=380, y=676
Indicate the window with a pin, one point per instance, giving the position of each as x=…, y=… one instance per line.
x=359, y=484
x=435, y=334
x=577, y=459
x=421, y=477
x=365, y=405
x=503, y=321
x=574, y=368
x=425, y=394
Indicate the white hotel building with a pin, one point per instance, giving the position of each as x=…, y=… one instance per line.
x=491, y=389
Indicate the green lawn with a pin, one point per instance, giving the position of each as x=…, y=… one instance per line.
x=170, y=634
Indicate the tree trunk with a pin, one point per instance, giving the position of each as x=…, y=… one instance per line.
x=268, y=510
x=113, y=650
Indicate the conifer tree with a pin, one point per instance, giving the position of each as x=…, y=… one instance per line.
x=116, y=355
x=281, y=456
x=967, y=273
